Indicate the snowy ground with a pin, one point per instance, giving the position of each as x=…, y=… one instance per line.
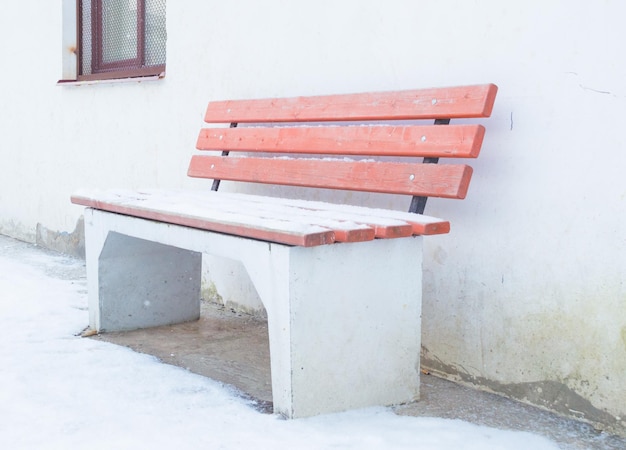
x=60, y=391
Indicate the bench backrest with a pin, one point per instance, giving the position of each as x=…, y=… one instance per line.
x=349, y=134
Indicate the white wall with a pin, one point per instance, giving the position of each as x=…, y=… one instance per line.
x=525, y=296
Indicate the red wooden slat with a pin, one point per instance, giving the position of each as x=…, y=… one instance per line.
x=354, y=235
x=236, y=228
x=442, y=180
x=421, y=225
x=436, y=103
x=461, y=141
x=393, y=231
x=376, y=227
x=381, y=224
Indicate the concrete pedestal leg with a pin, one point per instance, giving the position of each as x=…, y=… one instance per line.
x=344, y=324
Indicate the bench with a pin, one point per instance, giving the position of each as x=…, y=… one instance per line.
x=341, y=284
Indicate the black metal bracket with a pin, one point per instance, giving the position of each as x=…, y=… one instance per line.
x=216, y=183
x=418, y=203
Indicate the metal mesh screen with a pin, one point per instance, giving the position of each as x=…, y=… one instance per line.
x=119, y=31
x=120, y=35
x=85, y=37
x=156, y=35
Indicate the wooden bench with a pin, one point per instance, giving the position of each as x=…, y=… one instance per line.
x=343, y=319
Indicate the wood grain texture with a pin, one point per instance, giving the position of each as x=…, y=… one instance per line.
x=459, y=141
x=430, y=180
x=436, y=103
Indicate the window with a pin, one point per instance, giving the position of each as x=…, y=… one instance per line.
x=120, y=38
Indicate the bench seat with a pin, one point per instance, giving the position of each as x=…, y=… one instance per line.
x=286, y=221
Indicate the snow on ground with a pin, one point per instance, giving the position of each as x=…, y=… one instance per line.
x=60, y=391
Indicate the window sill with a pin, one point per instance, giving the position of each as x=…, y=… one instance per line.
x=111, y=80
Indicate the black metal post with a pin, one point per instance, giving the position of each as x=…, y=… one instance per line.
x=418, y=203
x=216, y=183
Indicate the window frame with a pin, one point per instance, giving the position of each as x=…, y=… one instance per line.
x=120, y=69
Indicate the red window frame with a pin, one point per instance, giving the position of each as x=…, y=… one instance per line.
x=124, y=68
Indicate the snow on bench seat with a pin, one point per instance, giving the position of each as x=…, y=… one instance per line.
x=286, y=221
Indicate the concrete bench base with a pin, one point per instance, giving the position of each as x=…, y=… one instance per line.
x=343, y=319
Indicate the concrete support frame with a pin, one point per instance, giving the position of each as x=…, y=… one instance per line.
x=344, y=319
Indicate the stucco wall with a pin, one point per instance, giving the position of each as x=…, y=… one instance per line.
x=525, y=296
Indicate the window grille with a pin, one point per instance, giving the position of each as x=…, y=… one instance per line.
x=121, y=38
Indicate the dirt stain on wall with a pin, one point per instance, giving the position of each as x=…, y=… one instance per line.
x=63, y=242
x=553, y=395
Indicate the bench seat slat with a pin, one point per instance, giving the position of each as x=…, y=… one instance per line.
x=421, y=224
x=460, y=141
x=206, y=218
x=445, y=180
x=291, y=222
x=437, y=103
x=381, y=227
x=345, y=230
x=248, y=215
